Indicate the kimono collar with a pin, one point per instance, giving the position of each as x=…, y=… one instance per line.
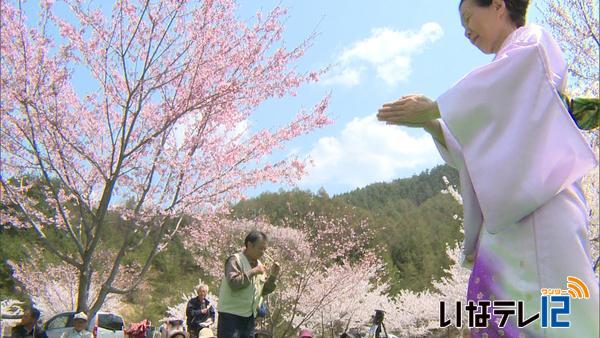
x=519, y=35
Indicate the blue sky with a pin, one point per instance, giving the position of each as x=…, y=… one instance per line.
x=380, y=50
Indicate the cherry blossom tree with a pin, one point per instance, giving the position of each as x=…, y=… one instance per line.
x=321, y=286
x=342, y=297
x=335, y=298
x=345, y=297
x=592, y=193
x=453, y=287
x=53, y=288
x=217, y=238
x=575, y=25
x=331, y=277
x=162, y=128
x=320, y=258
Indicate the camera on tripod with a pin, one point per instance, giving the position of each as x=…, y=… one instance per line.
x=378, y=324
x=378, y=317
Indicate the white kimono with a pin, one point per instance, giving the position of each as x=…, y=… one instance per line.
x=520, y=159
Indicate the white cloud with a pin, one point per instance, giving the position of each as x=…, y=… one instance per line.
x=388, y=51
x=347, y=77
x=365, y=152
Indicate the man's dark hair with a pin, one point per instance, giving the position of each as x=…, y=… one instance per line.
x=254, y=236
x=517, y=9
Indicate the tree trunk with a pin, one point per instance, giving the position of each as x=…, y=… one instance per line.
x=83, y=292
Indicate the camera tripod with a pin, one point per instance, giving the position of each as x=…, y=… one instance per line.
x=378, y=330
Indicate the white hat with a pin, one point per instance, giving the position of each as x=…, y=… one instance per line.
x=206, y=332
x=80, y=315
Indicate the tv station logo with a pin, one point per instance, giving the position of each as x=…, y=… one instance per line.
x=555, y=307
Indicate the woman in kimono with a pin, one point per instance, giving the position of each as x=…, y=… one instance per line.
x=520, y=158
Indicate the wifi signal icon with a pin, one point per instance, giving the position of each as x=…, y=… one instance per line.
x=577, y=288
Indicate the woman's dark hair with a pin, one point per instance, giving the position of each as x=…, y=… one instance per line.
x=254, y=236
x=517, y=9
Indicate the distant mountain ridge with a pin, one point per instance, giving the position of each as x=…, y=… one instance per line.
x=410, y=216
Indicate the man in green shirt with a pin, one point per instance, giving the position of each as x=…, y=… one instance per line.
x=245, y=282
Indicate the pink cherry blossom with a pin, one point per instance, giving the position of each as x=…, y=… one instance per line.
x=155, y=133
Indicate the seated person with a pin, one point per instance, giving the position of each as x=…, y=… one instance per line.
x=200, y=312
x=28, y=327
x=79, y=327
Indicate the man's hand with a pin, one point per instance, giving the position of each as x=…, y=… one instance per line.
x=410, y=110
x=258, y=270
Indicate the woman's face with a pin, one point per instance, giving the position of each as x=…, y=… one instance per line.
x=485, y=27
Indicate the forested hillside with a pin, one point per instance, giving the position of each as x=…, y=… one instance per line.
x=411, y=219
